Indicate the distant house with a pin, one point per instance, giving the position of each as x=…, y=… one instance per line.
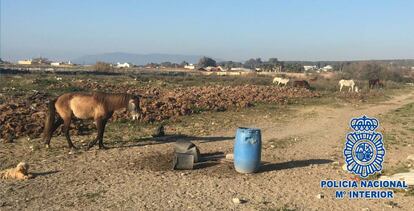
x=310, y=67
x=270, y=68
x=25, y=62
x=189, y=66
x=61, y=64
x=221, y=69
x=212, y=69
x=241, y=69
x=327, y=68
x=41, y=61
x=124, y=65
x=55, y=63
x=151, y=66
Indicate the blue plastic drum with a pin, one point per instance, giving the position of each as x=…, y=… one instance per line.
x=247, y=150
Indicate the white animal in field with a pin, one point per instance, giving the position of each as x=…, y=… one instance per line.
x=349, y=83
x=356, y=89
x=283, y=81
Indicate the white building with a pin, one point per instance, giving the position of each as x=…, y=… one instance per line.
x=327, y=68
x=55, y=64
x=210, y=68
x=61, y=64
x=26, y=62
x=189, y=66
x=241, y=69
x=221, y=69
x=124, y=65
x=310, y=67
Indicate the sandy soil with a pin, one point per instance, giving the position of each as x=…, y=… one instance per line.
x=297, y=154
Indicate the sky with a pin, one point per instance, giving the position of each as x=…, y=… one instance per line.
x=227, y=29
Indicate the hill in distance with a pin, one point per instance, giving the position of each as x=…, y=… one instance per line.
x=137, y=59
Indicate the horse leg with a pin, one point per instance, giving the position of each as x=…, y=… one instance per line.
x=92, y=143
x=100, y=123
x=51, y=131
x=340, y=88
x=66, y=127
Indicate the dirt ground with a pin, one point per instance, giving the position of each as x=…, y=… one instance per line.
x=300, y=148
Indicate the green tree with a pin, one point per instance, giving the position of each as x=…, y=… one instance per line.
x=253, y=63
x=183, y=63
x=371, y=71
x=166, y=64
x=206, y=61
x=102, y=67
x=230, y=64
x=273, y=61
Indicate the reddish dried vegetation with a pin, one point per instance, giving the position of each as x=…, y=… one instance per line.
x=24, y=116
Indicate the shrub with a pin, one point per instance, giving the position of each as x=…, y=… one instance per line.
x=102, y=67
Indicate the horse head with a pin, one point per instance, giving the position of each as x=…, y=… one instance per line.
x=134, y=107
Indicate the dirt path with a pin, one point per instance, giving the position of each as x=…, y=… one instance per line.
x=317, y=133
x=326, y=127
x=298, y=153
x=320, y=137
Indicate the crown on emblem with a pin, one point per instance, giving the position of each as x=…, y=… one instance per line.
x=364, y=124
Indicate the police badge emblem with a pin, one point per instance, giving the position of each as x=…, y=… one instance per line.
x=364, y=148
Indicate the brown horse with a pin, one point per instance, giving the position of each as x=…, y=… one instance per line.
x=375, y=82
x=301, y=84
x=97, y=106
x=313, y=79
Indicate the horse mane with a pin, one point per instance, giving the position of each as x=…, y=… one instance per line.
x=112, y=101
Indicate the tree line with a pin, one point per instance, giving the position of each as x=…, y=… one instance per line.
x=395, y=70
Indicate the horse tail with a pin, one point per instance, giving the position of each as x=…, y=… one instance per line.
x=50, y=120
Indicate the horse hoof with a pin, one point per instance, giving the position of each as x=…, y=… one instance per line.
x=103, y=147
x=73, y=148
x=89, y=146
x=47, y=146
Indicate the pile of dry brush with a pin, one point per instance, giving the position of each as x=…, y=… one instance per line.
x=22, y=116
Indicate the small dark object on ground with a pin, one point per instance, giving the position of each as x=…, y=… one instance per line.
x=10, y=138
x=186, y=147
x=159, y=131
x=183, y=161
